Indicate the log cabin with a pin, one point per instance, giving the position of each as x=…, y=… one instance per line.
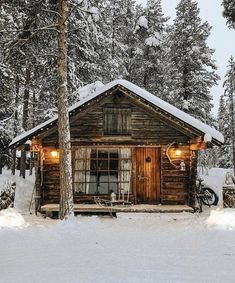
x=123, y=140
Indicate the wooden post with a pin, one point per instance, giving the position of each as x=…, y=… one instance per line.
x=31, y=163
x=13, y=165
x=23, y=163
x=193, y=178
x=37, y=163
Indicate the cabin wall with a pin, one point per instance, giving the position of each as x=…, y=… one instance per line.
x=50, y=191
x=177, y=187
x=176, y=184
x=88, y=127
x=147, y=129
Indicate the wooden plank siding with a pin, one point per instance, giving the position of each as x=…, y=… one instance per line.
x=51, y=177
x=146, y=128
x=175, y=183
x=168, y=184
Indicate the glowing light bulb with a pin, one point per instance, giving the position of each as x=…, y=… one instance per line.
x=54, y=153
x=177, y=152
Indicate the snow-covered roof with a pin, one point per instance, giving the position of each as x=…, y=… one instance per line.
x=156, y=101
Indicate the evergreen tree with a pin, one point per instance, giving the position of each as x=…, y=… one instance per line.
x=6, y=115
x=134, y=41
x=117, y=32
x=149, y=31
x=229, y=12
x=192, y=72
x=29, y=49
x=84, y=44
x=227, y=118
x=224, y=154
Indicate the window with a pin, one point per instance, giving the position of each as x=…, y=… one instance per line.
x=100, y=171
x=117, y=121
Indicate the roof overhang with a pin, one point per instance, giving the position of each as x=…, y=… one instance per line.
x=175, y=115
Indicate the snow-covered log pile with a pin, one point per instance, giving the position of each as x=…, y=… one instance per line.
x=7, y=195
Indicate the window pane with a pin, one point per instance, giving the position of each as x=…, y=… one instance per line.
x=94, y=165
x=113, y=176
x=102, y=165
x=113, y=154
x=93, y=154
x=103, y=176
x=103, y=188
x=92, y=178
x=92, y=188
x=102, y=154
x=113, y=187
x=113, y=165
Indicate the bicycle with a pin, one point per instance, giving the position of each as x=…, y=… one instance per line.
x=204, y=196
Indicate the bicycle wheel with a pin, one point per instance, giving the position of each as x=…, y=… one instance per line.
x=209, y=197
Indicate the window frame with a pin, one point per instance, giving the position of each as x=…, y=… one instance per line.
x=119, y=181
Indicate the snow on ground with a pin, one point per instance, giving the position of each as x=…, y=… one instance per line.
x=24, y=189
x=11, y=218
x=132, y=248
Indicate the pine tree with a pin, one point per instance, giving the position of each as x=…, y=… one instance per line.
x=151, y=41
x=227, y=118
x=229, y=12
x=134, y=36
x=224, y=154
x=191, y=61
x=6, y=91
x=29, y=45
x=84, y=45
x=116, y=28
x=6, y=115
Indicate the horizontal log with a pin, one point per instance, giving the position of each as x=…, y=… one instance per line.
x=174, y=185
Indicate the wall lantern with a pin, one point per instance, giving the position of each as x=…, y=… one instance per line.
x=177, y=150
x=54, y=153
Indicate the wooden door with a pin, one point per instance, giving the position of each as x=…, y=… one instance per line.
x=148, y=175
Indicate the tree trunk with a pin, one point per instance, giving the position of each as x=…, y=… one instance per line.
x=33, y=110
x=1, y=162
x=66, y=188
x=13, y=164
x=23, y=163
x=26, y=100
x=31, y=163
x=16, y=121
x=16, y=118
x=25, y=122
